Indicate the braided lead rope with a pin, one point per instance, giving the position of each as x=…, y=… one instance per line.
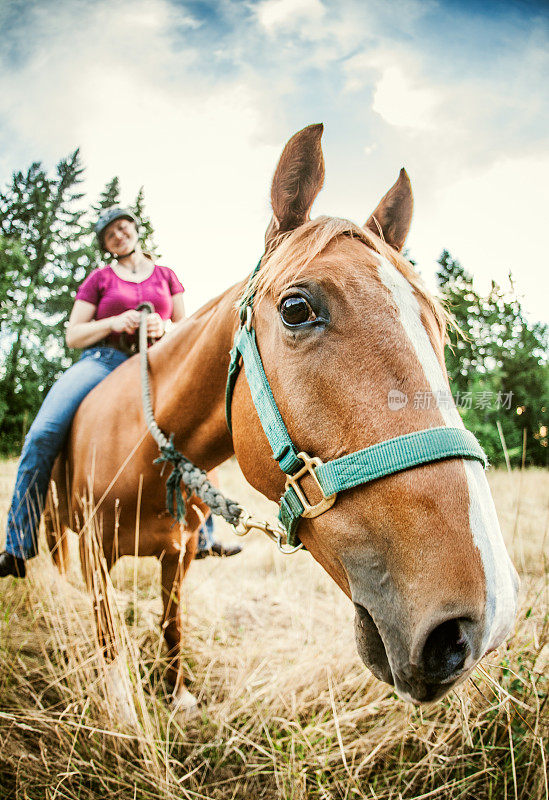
x=158, y=436
x=184, y=471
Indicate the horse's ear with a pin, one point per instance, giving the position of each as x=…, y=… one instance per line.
x=391, y=219
x=297, y=181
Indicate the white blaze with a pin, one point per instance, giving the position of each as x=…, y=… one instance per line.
x=500, y=575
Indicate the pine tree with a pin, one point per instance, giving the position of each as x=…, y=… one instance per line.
x=12, y=261
x=110, y=196
x=462, y=355
x=146, y=230
x=41, y=229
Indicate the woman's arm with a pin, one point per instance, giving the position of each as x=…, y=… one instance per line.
x=178, y=312
x=83, y=330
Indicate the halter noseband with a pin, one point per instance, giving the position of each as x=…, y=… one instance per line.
x=376, y=461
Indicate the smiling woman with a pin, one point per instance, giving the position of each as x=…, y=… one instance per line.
x=103, y=323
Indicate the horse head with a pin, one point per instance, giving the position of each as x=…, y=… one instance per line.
x=353, y=348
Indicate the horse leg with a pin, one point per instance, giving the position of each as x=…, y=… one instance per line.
x=56, y=534
x=175, y=564
x=55, y=516
x=95, y=568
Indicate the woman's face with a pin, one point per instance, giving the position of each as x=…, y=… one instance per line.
x=120, y=237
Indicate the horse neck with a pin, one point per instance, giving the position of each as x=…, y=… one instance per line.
x=189, y=374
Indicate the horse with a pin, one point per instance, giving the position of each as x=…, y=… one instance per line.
x=343, y=322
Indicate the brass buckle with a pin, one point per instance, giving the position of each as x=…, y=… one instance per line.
x=309, y=466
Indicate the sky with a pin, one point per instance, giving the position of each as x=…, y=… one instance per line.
x=195, y=100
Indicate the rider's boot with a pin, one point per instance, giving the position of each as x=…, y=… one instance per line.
x=218, y=549
x=11, y=565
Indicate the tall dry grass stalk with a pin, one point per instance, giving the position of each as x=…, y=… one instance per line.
x=287, y=709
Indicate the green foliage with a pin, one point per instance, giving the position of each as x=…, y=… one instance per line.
x=41, y=247
x=146, y=230
x=110, y=196
x=47, y=247
x=497, y=366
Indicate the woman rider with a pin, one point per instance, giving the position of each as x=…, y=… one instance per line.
x=104, y=323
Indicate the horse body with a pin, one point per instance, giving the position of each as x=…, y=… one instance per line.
x=110, y=454
x=188, y=369
x=419, y=552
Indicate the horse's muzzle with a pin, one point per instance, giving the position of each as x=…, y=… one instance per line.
x=435, y=662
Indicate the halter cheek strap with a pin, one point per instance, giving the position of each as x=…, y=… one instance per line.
x=355, y=469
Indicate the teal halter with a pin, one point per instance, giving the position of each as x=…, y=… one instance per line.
x=376, y=461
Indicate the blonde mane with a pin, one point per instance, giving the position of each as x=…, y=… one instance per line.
x=294, y=251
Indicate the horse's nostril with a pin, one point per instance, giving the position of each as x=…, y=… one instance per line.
x=370, y=645
x=446, y=650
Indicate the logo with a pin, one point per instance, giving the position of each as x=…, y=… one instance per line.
x=396, y=400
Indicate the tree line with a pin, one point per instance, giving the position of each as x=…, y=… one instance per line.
x=497, y=359
x=47, y=247
x=498, y=367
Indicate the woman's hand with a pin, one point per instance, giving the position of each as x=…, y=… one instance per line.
x=83, y=330
x=128, y=322
x=155, y=326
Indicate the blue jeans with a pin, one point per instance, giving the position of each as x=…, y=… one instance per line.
x=206, y=534
x=44, y=441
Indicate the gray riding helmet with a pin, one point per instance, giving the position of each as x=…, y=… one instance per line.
x=110, y=215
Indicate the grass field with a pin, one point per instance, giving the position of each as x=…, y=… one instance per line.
x=287, y=708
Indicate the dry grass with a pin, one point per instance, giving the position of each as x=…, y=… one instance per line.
x=287, y=709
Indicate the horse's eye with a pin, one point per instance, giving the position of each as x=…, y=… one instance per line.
x=296, y=310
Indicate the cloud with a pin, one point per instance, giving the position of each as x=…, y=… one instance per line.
x=274, y=15
x=153, y=121
x=401, y=95
x=195, y=101
x=402, y=103
x=493, y=221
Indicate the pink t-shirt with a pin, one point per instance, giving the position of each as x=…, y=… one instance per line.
x=113, y=295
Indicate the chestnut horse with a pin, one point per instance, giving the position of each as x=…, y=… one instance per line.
x=343, y=322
